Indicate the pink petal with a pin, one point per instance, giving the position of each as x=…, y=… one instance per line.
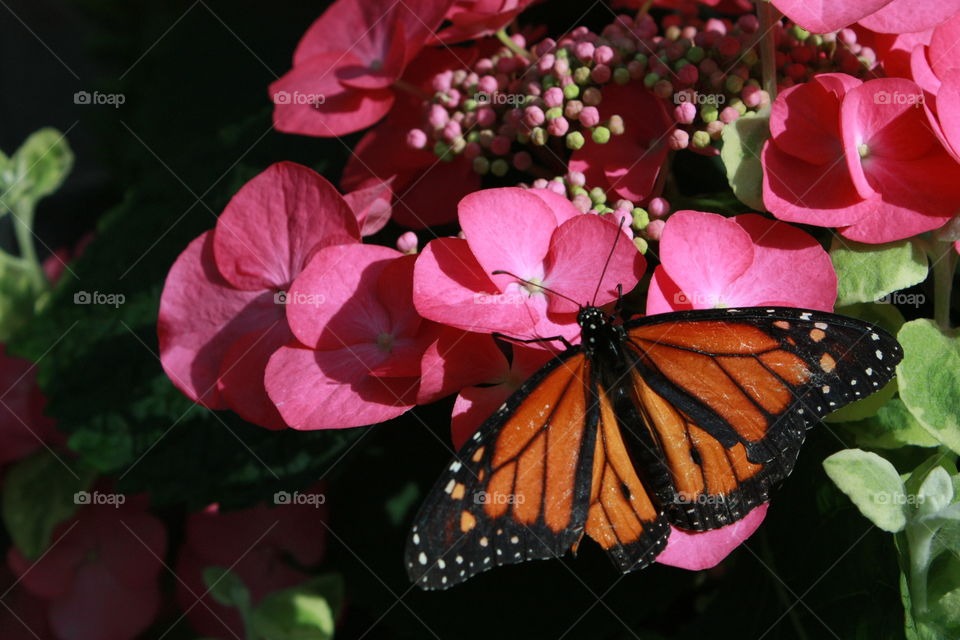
x=908, y=16
x=201, y=316
x=943, y=42
x=429, y=197
x=797, y=191
x=272, y=226
x=371, y=205
x=577, y=259
x=507, y=229
x=242, y=371
x=823, y=16
x=789, y=268
x=703, y=253
x=664, y=294
x=308, y=100
x=380, y=68
x=805, y=119
x=450, y=287
x=99, y=608
x=333, y=303
x=704, y=550
x=561, y=206
x=948, y=112
x=458, y=359
x=332, y=389
x=922, y=73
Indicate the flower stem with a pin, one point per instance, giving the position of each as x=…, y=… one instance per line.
x=23, y=229
x=768, y=16
x=513, y=46
x=944, y=261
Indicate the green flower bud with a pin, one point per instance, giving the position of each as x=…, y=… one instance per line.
x=600, y=135
x=640, y=218
x=799, y=32
x=481, y=165
x=469, y=105
x=571, y=91
x=575, y=140
x=640, y=244
x=709, y=112
x=554, y=112
x=598, y=195
x=650, y=79
x=621, y=75
x=700, y=139
x=499, y=167
x=696, y=54
x=549, y=81
x=615, y=125
x=538, y=136
x=581, y=75
x=733, y=84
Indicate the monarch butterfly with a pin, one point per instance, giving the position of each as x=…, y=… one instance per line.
x=686, y=419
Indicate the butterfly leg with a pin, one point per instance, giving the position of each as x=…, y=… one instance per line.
x=566, y=344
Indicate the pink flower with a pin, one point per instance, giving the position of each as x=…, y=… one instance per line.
x=346, y=64
x=221, y=312
x=538, y=236
x=265, y=547
x=359, y=341
x=426, y=188
x=887, y=16
x=475, y=18
x=857, y=155
x=629, y=163
x=100, y=573
x=706, y=549
x=23, y=426
x=372, y=206
x=709, y=261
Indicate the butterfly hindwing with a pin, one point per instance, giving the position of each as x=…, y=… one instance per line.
x=519, y=488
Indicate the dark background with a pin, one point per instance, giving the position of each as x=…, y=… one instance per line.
x=153, y=173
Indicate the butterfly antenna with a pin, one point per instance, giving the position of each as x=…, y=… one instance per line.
x=498, y=272
x=607, y=263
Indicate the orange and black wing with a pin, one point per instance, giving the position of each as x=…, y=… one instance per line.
x=723, y=399
x=518, y=489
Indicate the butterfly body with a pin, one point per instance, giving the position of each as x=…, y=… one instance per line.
x=687, y=419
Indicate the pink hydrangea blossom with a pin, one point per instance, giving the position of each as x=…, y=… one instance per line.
x=266, y=547
x=629, y=163
x=358, y=341
x=372, y=206
x=539, y=237
x=100, y=574
x=347, y=62
x=858, y=155
x=709, y=261
x=221, y=312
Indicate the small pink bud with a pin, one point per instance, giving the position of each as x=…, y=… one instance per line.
x=472, y=150
x=636, y=69
x=728, y=115
x=558, y=127
x=678, y=139
x=438, y=116
x=592, y=96
x=847, y=36
x=553, y=97
x=685, y=113
x=655, y=229
x=584, y=51
x=519, y=40
x=582, y=202
x=557, y=187
x=506, y=64
x=416, y=139
x=561, y=67
x=486, y=116
x=601, y=74
x=708, y=66
x=533, y=116
x=500, y=145
x=546, y=63
x=715, y=129
x=603, y=55
x=590, y=116
x=452, y=130
x=689, y=32
x=663, y=88
x=407, y=242
x=658, y=207
x=442, y=81
x=572, y=109
x=483, y=65
x=540, y=183
x=545, y=46
x=715, y=25
x=748, y=23
x=688, y=74
x=522, y=161
x=751, y=95
x=576, y=178
x=487, y=84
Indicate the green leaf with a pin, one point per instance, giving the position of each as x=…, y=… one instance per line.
x=935, y=492
x=872, y=484
x=17, y=295
x=39, y=493
x=892, y=427
x=742, y=142
x=868, y=272
x=305, y=612
x=226, y=587
x=40, y=165
x=929, y=379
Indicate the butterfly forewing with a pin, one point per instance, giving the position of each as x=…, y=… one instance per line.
x=519, y=488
